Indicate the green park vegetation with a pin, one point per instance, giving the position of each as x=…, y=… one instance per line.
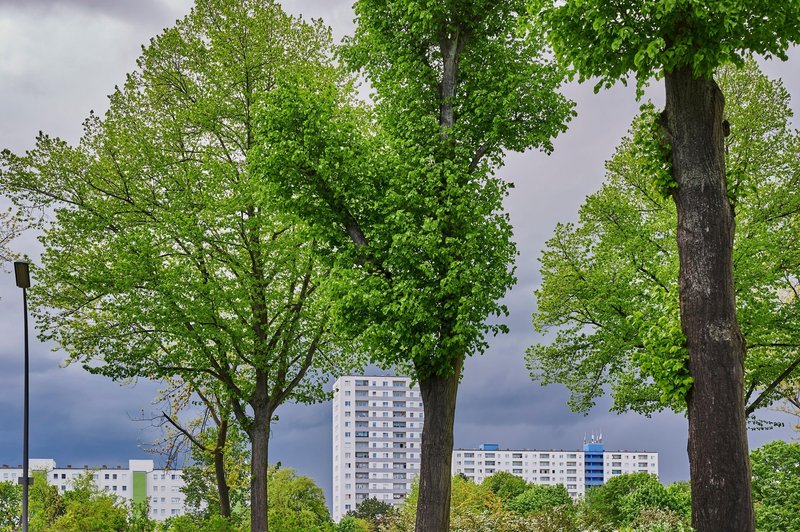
x=242, y=227
x=635, y=502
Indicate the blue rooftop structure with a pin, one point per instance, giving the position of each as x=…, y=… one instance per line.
x=593, y=461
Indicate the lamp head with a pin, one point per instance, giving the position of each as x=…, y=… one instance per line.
x=22, y=273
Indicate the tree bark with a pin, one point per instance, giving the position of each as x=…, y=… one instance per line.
x=219, y=471
x=439, y=406
x=718, y=450
x=259, y=461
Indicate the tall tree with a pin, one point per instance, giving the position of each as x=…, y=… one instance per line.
x=167, y=257
x=610, y=282
x=684, y=42
x=456, y=83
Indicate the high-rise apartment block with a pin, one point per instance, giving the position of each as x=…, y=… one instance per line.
x=576, y=470
x=377, y=429
x=138, y=482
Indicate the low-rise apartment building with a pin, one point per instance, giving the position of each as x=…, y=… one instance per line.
x=576, y=470
x=138, y=482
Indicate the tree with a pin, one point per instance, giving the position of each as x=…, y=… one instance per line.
x=167, y=256
x=45, y=504
x=212, y=439
x=296, y=502
x=408, y=196
x=626, y=500
x=608, y=498
x=505, y=485
x=86, y=507
x=776, y=485
x=685, y=42
x=373, y=511
x=353, y=524
x=539, y=498
x=210, y=465
x=10, y=506
x=610, y=282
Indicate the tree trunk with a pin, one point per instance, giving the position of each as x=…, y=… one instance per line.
x=219, y=471
x=259, y=460
x=439, y=406
x=718, y=450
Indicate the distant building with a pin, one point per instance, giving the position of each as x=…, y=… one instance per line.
x=576, y=470
x=377, y=426
x=140, y=481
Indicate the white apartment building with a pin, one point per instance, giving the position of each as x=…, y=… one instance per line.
x=576, y=470
x=138, y=482
x=377, y=429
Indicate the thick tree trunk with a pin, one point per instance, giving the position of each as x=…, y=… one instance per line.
x=718, y=450
x=219, y=471
x=439, y=406
x=259, y=464
x=259, y=460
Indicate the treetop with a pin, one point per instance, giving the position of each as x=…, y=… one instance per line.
x=610, y=40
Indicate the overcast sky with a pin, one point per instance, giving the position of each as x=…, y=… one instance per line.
x=60, y=58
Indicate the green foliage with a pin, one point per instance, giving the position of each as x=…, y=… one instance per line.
x=86, y=507
x=199, y=476
x=199, y=523
x=139, y=517
x=165, y=256
x=647, y=38
x=10, y=506
x=664, y=356
x=776, y=486
x=538, y=498
x=505, y=485
x=653, y=150
x=475, y=508
x=638, y=501
x=609, y=283
x=373, y=511
x=45, y=504
x=413, y=183
x=353, y=524
x=658, y=520
x=554, y=520
x=468, y=498
x=296, y=503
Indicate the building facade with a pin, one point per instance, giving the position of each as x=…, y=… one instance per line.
x=139, y=482
x=576, y=470
x=377, y=429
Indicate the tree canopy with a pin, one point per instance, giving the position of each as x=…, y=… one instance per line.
x=167, y=256
x=647, y=38
x=408, y=195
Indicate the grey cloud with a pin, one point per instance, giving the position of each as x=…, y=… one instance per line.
x=129, y=11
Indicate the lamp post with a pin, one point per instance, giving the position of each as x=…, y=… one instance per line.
x=23, y=276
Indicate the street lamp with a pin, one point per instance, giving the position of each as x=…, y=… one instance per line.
x=23, y=276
